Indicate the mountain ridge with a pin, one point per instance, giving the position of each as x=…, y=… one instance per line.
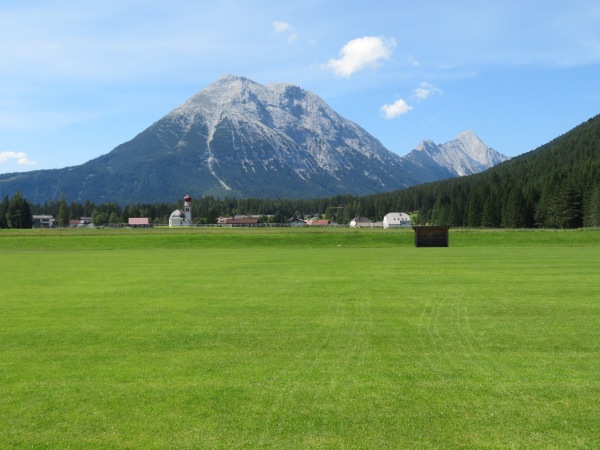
x=465, y=155
x=239, y=138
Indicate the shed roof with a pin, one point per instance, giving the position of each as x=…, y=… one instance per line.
x=138, y=221
x=362, y=220
x=397, y=217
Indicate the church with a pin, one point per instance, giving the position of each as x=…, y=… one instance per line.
x=182, y=219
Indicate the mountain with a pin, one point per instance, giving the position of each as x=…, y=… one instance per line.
x=238, y=138
x=464, y=155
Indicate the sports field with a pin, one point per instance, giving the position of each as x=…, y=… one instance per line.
x=283, y=338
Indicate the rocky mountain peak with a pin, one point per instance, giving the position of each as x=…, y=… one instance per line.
x=240, y=138
x=466, y=154
x=424, y=146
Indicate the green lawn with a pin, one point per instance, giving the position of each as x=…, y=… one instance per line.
x=299, y=339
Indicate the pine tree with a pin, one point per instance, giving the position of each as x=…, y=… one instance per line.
x=26, y=217
x=75, y=211
x=4, y=211
x=474, y=209
x=63, y=213
x=490, y=216
x=592, y=216
x=515, y=212
x=19, y=213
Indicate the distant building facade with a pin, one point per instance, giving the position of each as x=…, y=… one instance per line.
x=43, y=221
x=296, y=222
x=361, y=222
x=135, y=222
x=82, y=222
x=396, y=220
x=317, y=222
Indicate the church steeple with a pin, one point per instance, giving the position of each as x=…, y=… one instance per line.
x=187, y=209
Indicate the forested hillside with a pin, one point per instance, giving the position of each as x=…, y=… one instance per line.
x=554, y=186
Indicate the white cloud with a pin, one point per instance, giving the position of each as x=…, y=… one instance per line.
x=425, y=90
x=280, y=26
x=284, y=27
x=396, y=109
x=400, y=107
x=361, y=53
x=21, y=158
x=413, y=61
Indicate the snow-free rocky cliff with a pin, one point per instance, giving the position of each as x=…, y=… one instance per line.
x=464, y=155
x=240, y=138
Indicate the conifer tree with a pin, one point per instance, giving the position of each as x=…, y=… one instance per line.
x=3, y=212
x=63, y=213
x=19, y=213
x=26, y=217
x=592, y=217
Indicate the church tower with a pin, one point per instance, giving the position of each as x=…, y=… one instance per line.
x=187, y=209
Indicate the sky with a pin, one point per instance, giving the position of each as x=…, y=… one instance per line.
x=78, y=78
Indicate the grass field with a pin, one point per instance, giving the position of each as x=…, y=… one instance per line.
x=287, y=338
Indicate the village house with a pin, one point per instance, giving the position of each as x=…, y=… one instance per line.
x=43, y=221
x=82, y=222
x=296, y=222
x=396, y=220
x=361, y=222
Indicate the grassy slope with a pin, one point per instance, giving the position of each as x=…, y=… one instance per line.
x=283, y=339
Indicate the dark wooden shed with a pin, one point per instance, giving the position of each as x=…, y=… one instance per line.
x=431, y=236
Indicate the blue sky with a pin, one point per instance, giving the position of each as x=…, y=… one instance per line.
x=78, y=78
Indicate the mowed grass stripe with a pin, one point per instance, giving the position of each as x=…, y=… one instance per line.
x=252, y=238
x=300, y=347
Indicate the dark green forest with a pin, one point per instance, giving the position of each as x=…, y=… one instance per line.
x=554, y=186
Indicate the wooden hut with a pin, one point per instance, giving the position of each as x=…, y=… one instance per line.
x=431, y=236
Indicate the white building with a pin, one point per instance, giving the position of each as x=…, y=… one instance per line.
x=43, y=221
x=396, y=220
x=182, y=219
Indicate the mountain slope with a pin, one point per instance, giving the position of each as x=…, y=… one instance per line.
x=236, y=138
x=554, y=186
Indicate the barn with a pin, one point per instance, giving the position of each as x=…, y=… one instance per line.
x=396, y=220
